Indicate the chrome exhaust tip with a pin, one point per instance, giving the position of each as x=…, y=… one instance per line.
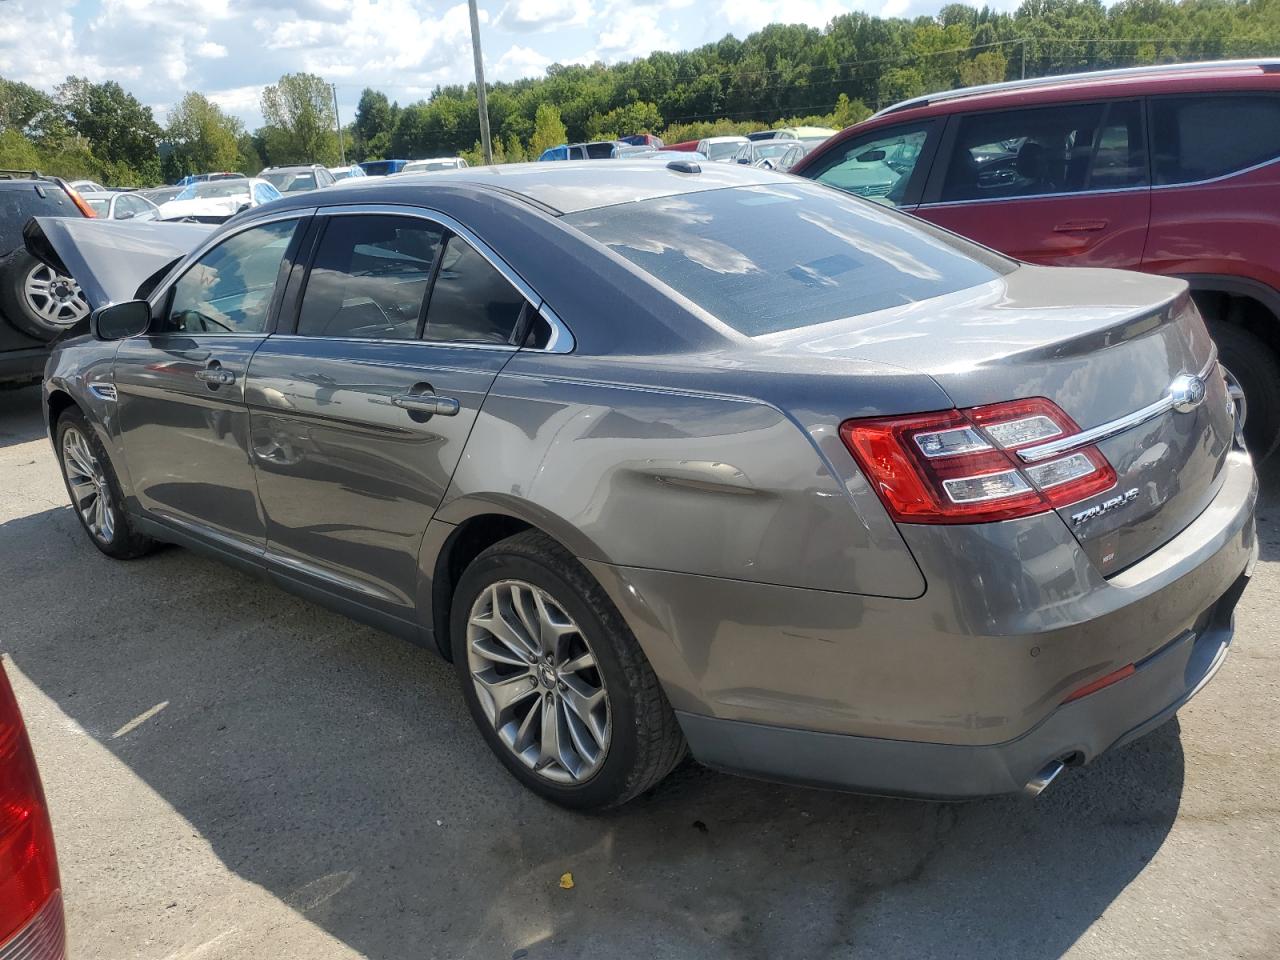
x=1046, y=775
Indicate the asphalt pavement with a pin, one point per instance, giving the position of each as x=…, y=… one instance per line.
x=234, y=772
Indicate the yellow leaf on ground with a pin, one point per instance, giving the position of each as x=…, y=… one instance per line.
x=566, y=881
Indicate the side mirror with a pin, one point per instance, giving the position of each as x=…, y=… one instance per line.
x=119, y=321
x=871, y=156
x=125, y=215
x=243, y=207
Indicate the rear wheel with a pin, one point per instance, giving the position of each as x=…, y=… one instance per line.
x=38, y=300
x=1255, y=366
x=555, y=680
x=94, y=490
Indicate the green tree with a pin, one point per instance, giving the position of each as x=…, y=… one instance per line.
x=515, y=150
x=374, y=125
x=298, y=111
x=203, y=138
x=548, y=130
x=638, y=117
x=17, y=152
x=121, y=132
x=987, y=67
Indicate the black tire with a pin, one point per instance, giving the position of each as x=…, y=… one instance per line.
x=1255, y=365
x=15, y=306
x=645, y=742
x=124, y=542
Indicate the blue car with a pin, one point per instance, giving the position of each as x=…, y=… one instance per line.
x=382, y=168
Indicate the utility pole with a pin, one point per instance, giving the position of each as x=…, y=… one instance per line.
x=481, y=99
x=337, y=121
x=1024, y=58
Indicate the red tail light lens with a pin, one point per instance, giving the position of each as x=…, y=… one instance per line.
x=28, y=864
x=960, y=466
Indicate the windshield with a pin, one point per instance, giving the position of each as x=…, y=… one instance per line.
x=777, y=257
x=776, y=148
x=429, y=165
x=718, y=151
x=343, y=173
x=215, y=188
x=100, y=207
x=291, y=181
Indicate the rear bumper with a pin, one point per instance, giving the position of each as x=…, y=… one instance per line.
x=1076, y=732
x=959, y=693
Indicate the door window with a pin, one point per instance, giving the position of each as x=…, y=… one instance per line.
x=1120, y=157
x=229, y=289
x=369, y=278
x=471, y=301
x=1199, y=138
x=880, y=167
x=1023, y=153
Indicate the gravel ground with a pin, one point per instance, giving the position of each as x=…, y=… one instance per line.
x=236, y=773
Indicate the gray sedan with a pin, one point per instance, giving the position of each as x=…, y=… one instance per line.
x=669, y=459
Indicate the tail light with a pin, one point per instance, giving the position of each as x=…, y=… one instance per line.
x=959, y=466
x=31, y=922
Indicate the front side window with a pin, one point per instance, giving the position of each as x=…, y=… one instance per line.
x=369, y=278
x=471, y=301
x=1199, y=138
x=782, y=256
x=229, y=289
x=879, y=167
x=1023, y=153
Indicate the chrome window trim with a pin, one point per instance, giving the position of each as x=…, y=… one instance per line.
x=400, y=341
x=1112, y=428
x=1037, y=196
x=1219, y=177
x=561, y=336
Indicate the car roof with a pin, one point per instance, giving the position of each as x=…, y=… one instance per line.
x=99, y=194
x=557, y=188
x=735, y=138
x=1126, y=81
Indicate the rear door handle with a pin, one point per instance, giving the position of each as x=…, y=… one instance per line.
x=1081, y=226
x=428, y=403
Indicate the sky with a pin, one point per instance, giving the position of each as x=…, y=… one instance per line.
x=230, y=49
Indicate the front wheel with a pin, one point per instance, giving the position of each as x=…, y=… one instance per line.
x=1256, y=368
x=94, y=490
x=555, y=680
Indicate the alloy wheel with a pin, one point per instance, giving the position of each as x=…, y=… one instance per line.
x=537, y=679
x=88, y=482
x=54, y=298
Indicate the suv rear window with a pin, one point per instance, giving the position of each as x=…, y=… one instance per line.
x=768, y=258
x=1198, y=138
x=20, y=200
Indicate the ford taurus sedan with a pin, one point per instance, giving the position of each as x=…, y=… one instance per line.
x=675, y=458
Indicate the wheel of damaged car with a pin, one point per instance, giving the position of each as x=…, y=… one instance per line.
x=555, y=680
x=36, y=299
x=94, y=489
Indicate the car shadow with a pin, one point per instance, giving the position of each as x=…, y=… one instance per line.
x=337, y=768
x=21, y=418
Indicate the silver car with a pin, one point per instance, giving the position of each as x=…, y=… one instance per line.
x=669, y=459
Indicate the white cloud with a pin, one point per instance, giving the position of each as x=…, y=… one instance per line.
x=745, y=16
x=211, y=50
x=524, y=16
x=519, y=62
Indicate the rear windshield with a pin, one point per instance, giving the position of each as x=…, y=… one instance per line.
x=291, y=182
x=718, y=151
x=20, y=200
x=781, y=256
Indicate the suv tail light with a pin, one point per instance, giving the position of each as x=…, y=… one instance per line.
x=31, y=922
x=959, y=466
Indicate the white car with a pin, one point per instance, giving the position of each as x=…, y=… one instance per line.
x=213, y=201
x=110, y=205
x=434, y=164
x=86, y=186
x=353, y=172
x=721, y=149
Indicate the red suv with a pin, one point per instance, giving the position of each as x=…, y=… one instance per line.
x=1172, y=170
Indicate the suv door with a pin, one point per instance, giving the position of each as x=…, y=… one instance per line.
x=360, y=415
x=1065, y=184
x=180, y=387
x=887, y=165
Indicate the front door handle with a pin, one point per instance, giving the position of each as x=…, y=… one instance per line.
x=427, y=403
x=1081, y=226
x=215, y=375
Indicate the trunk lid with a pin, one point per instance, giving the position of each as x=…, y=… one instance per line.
x=1102, y=345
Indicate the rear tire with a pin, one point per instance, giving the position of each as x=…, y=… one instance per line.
x=94, y=490
x=631, y=737
x=36, y=299
x=1255, y=365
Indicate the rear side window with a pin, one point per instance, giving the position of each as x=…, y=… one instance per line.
x=369, y=278
x=471, y=301
x=777, y=257
x=21, y=200
x=1199, y=138
x=1023, y=153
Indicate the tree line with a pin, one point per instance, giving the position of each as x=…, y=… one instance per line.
x=831, y=76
